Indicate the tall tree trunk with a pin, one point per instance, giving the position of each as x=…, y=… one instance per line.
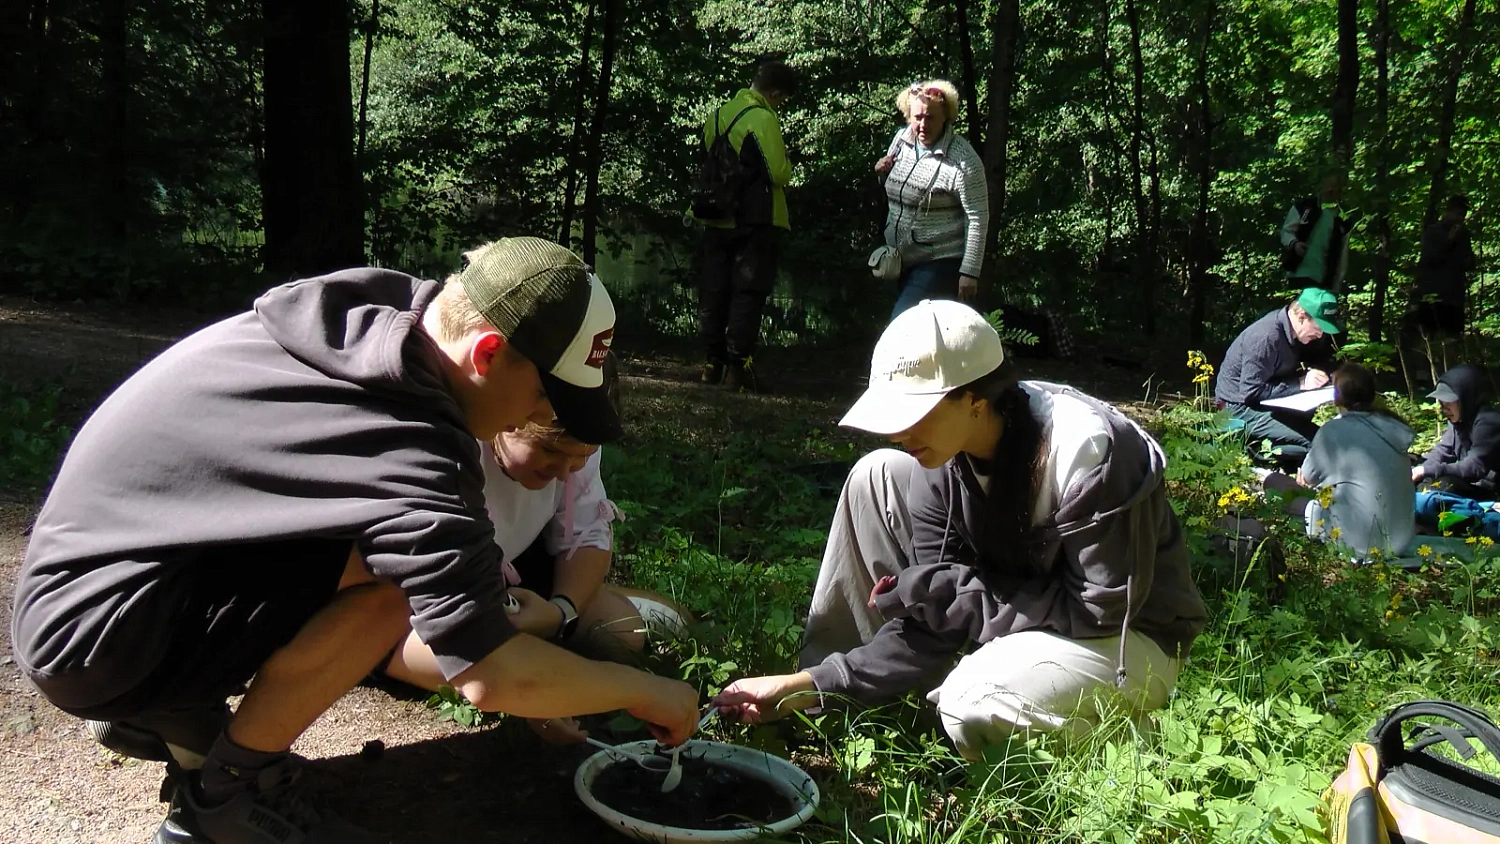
x=34, y=109
x=1442, y=147
x=1144, y=265
x=1381, y=276
x=1200, y=153
x=114, y=170
x=371, y=27
x=596, y=130
x=970, y=74
x=313, y=222
x=580, y=108
x=1346, y=88
x=1006, y=34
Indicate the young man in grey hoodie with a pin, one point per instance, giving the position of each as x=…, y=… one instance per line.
x=1026, y=520
x=284, y=495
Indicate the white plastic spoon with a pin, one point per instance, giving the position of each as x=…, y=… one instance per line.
x=647, y=761
x=674, y=775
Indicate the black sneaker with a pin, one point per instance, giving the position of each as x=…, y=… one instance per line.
x=182, y=737
x=270, y=811
x=743, y=378
x=128, y=740
x=712, y=373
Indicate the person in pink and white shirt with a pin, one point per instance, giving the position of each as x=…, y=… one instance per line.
x=553, y=523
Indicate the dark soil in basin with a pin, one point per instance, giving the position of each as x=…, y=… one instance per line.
x=710, y=796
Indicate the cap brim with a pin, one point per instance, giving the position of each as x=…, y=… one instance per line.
x=889, y=412
x=584, y=412
x=1328, y=327
x=1443, y=393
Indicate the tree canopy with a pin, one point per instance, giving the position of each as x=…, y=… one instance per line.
x=178, y=150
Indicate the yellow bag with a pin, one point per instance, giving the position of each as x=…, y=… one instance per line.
x=1397, y=790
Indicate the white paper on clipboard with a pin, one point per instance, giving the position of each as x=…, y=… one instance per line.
x=1306, y=401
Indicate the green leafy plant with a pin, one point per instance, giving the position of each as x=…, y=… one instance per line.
x=452, y=706
x=31, y=437
x=1009, y=335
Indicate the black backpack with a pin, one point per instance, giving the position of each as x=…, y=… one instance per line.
x=1309, y=209
x=722, y=176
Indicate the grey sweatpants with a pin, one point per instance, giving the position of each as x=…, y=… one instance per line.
x=1033, y=679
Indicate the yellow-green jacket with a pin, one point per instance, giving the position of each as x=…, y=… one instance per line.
x=762, y=123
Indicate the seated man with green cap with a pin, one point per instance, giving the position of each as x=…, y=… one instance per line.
x=1283, y=353
x=279, y=498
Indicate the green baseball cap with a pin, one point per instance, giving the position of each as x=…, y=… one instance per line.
x=556, y=312
x=1322, y=306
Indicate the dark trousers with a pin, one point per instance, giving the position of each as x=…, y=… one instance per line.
x=1290, y=433
x=739, y=272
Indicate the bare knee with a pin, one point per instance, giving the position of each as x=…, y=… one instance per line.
x=614, y=626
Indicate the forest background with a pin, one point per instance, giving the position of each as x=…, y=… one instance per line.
x=1140, y=156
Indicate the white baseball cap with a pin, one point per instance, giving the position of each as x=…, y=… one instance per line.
x=923, y=354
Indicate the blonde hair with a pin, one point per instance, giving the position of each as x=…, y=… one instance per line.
x=457, y=316
x=923, y=91
x=539, y=432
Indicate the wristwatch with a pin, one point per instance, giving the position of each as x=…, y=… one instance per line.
x=570, y=617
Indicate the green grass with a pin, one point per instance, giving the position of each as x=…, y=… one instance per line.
x=1261, y=719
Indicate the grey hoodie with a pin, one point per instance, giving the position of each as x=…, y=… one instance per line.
x=324, y=412
x=1467, y=457
x=1363, y=457
x=1113, y=554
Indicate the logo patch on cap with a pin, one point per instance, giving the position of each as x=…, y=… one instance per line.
x=600, y=348
x=918, y=367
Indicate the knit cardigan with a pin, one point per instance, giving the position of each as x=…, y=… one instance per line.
x=937, y=202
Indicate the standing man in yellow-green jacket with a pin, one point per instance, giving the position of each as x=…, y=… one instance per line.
x=739, y=197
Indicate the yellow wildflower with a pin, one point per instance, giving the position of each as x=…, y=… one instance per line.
x=1486, y=541
x=1235, y=496
x=1335, y=534
x=1424, y=550
x=1325, y=496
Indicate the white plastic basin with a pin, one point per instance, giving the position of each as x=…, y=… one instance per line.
x=785, y=777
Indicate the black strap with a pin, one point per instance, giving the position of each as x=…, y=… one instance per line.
x=736, y=119
x=1428, y=735
x=1391, y=743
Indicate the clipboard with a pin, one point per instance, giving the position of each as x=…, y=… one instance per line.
x=1306, y=401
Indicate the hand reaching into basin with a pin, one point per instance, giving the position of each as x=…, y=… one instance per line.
x=758, y=700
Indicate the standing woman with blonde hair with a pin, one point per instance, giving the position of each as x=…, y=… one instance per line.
x=937, y=200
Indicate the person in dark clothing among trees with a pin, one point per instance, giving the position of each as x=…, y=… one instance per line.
x=1283, y=353
x=1438, y=297
x=1315, y=238
x=742, y=229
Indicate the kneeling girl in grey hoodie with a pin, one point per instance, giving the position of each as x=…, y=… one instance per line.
x=1019, y=563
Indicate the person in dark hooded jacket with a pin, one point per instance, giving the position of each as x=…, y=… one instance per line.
x=279, y=498
x=1024, y=518
x=1465, y=460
